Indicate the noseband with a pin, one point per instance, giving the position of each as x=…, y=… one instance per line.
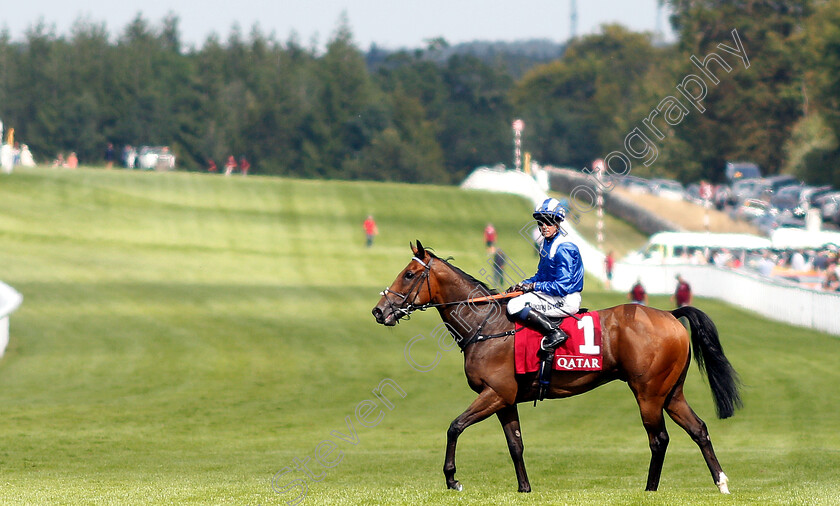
x=405, y=308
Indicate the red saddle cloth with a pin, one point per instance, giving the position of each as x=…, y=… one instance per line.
x=580, y=352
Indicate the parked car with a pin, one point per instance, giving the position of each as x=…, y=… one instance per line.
x=668, y=189
x=828, y=204
x=155, y=158
x=751, y=209
x=787, y=198
x=770, y=185
x=744, y=189
x=635, y=184
x=812, y=193
x=692, y=193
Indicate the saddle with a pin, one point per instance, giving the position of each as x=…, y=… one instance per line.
x=581, y=352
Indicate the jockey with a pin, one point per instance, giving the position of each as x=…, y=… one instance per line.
x=555, y=289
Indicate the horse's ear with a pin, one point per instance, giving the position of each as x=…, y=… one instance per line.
x=419, y=251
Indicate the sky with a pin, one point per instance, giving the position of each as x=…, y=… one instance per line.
x=390, y=24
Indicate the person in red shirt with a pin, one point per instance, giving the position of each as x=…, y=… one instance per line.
x=371, y=230
x=682, y=295
x=490, y=238
x=211, y=166
x=637, y=294
x=244, y=165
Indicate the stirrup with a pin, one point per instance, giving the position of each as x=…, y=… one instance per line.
x=557, y=339
x=544, y=376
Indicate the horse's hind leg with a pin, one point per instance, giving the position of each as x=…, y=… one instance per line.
x=654, y=422
x=679, y=410
x=487, y=403
x=509, y=417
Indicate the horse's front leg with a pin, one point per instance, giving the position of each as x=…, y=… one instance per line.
x=509, y=417
x=487, y=403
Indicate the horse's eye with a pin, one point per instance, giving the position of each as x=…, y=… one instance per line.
x=409, y=275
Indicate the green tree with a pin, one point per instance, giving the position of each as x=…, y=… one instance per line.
x=750, y=113
x=581, y=107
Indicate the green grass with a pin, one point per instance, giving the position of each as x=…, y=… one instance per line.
x=184, y=337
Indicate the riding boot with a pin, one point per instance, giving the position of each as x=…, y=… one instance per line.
x=553, y=338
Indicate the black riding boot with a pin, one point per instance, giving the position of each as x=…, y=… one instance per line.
x=554, y=337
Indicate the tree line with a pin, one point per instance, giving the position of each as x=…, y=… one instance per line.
x=433, y=114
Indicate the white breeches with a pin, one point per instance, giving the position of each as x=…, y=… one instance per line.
x=548, y=305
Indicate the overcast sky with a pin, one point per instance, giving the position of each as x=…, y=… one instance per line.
x=391, y=24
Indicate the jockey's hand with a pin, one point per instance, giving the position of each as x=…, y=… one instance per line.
x=524, y=287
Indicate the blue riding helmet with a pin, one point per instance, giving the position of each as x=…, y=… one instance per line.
x=551, y=209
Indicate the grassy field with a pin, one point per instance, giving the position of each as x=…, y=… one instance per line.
x=186, y=338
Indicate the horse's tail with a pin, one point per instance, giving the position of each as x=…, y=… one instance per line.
x=708, y=353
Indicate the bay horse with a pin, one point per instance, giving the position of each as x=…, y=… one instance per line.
x=647, y=348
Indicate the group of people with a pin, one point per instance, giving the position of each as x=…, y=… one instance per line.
x=13, y=153
x=231, y=165
x=70, y=162
x=682, y=293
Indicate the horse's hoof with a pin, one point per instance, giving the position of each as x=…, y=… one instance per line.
x=525, y=489
x=723, y=484
x=456, y=487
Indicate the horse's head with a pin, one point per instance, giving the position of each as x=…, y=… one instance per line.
x=412, y=289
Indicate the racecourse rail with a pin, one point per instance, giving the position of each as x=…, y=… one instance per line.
x=775, y=299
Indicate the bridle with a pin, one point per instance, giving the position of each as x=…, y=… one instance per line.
x=405, y=308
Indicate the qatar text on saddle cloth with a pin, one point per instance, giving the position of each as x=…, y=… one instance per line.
x=581, y=352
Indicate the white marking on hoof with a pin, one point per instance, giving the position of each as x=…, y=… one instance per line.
x=458, y=487
x=723, y=484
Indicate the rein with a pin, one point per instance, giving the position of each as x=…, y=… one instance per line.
x=409, y=307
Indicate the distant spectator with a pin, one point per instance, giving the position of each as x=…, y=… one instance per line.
x=230, y=166
x=832, y=281
x=821, y=261
x=129, y=157
x=72, y=161
x=26, y=159
x=721, y=258
x=109, y=156
x=797, y=261
x=371, y=230
x=682, y=295
x=637, y=294
x=698, y=258
x=490, y=238
x=59, y=161
x=499, y=261
x=609, y=262
x=765, y=265
x=211, y=166
x=244, y=166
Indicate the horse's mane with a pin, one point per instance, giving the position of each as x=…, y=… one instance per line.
x=469, y=277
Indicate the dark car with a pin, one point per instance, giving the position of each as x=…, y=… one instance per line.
x=787, y=198
x=744, y=189
x=771, y=185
